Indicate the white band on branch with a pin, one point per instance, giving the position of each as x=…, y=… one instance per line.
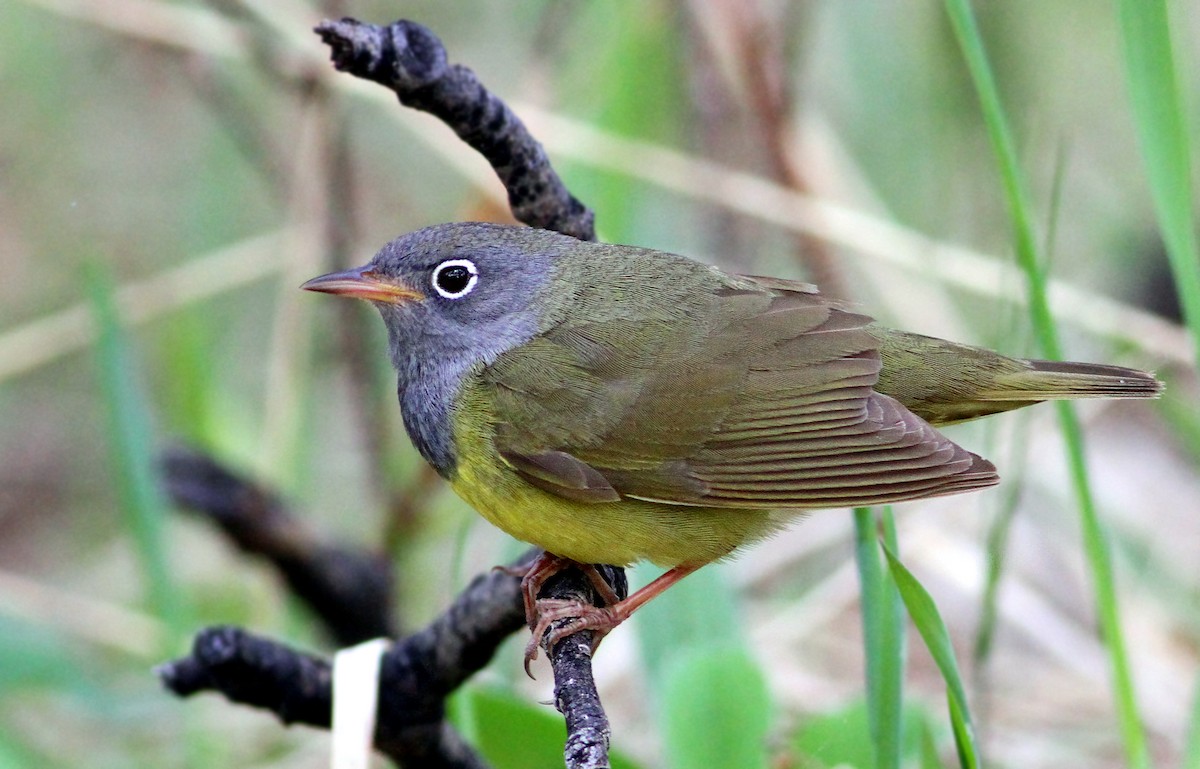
x=355, y=700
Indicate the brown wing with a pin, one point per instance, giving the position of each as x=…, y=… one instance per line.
x=757, y=395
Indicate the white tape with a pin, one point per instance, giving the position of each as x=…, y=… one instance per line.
x=355, y=698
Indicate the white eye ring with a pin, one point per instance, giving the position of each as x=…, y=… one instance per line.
x=454, y=291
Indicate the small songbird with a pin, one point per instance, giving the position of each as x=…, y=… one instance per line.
x=613, y=404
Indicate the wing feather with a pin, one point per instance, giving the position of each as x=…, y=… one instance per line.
x=759, y=396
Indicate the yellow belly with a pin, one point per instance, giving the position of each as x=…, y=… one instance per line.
x=619, y=533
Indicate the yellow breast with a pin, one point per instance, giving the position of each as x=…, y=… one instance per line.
x=619, y=533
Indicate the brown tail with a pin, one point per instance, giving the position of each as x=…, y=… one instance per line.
x=1051, y=380
x=1045, y=380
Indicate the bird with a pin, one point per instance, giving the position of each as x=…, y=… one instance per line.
x=613, y=404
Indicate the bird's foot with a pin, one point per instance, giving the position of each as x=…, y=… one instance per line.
x=598, y=619
x=534, y=575
x=584, y=616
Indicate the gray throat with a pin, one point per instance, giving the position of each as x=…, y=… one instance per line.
x=427, y=395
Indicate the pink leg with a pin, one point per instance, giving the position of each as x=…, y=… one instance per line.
x=600, y=620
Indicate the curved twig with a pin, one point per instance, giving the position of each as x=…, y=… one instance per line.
x=410, y=60
x=349, y=590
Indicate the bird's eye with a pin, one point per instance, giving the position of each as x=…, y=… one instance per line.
x=455, y=278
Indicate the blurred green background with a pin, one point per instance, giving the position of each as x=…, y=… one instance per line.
x=171, y=172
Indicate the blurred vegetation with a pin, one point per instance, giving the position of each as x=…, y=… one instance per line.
x=170, y=172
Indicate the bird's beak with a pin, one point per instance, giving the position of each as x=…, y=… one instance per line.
x=363, y=283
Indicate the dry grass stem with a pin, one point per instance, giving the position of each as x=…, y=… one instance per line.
x=53, y=336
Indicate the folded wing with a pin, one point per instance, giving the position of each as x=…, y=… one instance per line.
x=755, y=393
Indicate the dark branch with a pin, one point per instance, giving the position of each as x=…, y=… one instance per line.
x=575, y=693
x=254, y=671
x=416, y=674
x=297, y=687
x=349, y=590
x=410, y=60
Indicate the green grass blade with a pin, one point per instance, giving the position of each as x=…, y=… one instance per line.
x=1160, y=117
x=840, y=737
x=712, y=701
x=1191, y=753
x=964, y=734
x=928, y=757
x=192, y=381
x=639, y=95
x=1098, y=550
x=512, y=733
x=969, y=39
x=716, y=711
x=883, y=639
x=998, y=531
x=933, y=632
x=997, y=553
x=1096, y=544
x=14, y=754
x=131, y=449
x=698, y=613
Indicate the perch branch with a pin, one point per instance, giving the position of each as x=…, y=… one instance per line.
x=417, y=674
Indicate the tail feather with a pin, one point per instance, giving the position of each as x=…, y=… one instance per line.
x=1056, y=380
x=945, y=382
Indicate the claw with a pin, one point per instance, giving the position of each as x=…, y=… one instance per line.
x=582, y=616
x=531, y=648
x=512, y=571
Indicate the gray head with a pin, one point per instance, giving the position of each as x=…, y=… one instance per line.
x=454, y=290
x=452, y=296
